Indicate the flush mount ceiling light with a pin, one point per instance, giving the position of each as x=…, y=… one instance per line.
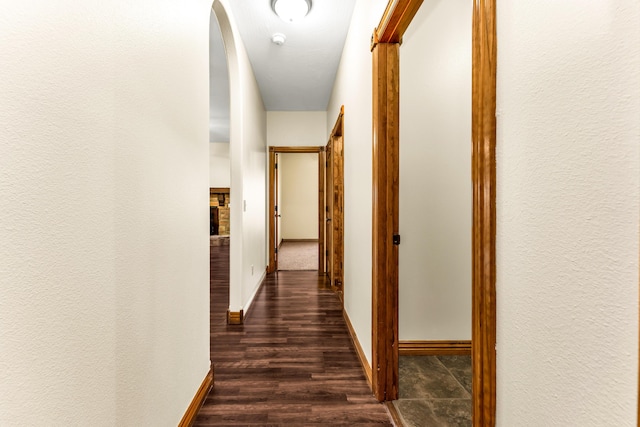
x=291, y=10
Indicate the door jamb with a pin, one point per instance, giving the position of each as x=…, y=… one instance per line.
x=338, y=219
x=385, y=40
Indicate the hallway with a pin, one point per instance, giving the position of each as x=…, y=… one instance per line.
x=291, y=363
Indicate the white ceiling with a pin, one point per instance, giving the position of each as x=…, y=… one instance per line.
x=297, y=76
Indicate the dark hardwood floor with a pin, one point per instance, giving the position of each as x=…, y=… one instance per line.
x=291, y=363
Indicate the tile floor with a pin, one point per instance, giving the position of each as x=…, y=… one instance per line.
x=435, y=391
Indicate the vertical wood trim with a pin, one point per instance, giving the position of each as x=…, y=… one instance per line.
x=190, y=415
x=338, y=211
x=329, y=212
x=394, y=22
x=386, y=115
x=321, y=211
x=272, y=213
x=484, y=212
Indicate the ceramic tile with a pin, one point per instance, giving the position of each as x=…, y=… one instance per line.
x=435, y=391
x=434, y=412
x=416, y=413
x=460, y=368
x=427, y=378
x=451, y=412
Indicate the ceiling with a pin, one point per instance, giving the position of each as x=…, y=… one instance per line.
x=297, y=76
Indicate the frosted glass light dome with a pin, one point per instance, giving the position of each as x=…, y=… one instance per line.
x=291, y=10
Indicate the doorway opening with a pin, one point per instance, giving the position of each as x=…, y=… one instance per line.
x=219, y=212
x=330, y=205
x=386, y=238
x=296, y=211
x=279, y=159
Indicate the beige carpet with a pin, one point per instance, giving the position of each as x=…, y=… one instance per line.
x=298, y=256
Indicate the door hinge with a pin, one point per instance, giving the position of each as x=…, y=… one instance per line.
x=276, y=166
x=396, y=239
x=276, y=208
x=276, y=250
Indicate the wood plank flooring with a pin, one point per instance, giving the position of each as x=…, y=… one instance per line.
x=291, y=363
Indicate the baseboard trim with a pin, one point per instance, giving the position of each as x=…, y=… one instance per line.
x=434, y=348
x=189, y=417
x=238, y=317
x=298, y=240
x=249, y=306
x=393, y=412
x=235, y=317
x=356, y=343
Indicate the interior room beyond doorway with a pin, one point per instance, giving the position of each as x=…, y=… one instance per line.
x=297, y=211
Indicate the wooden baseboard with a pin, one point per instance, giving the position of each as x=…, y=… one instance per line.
x=248, y=310
x=235, y=317
x=434, y=348
x=298, y=240
x=363, y=359
x=238, y=317
x=393, y=412
x=192, y=411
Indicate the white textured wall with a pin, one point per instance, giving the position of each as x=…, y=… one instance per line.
x=296, y=128
x=299, y=208
x=219, y=165
x=353, y=88
x=435, y=174
x=104, y=313
x=568, y=186
x=247, y=152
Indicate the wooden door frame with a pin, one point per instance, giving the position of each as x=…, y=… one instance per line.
x=271, y=267
x=327, y=212
x=386, y=118
x=337, y=133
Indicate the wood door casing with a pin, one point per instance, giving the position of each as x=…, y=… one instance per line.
x=271, y=214
x=271, y=267
x=483, y=124
x=329, y=213
x=385, y=221
x=322, y=179
x=277, y=209
x=395, y=20
x=334, y=208
x=338, y=212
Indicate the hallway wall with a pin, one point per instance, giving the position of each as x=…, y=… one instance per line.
x=297, y=128
x=219, y=165
x=353, y=89
x=568, y=159
x=435, y=174
x=104, y=271
x=299, y=191
x=248, y=157
x=568, y=208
